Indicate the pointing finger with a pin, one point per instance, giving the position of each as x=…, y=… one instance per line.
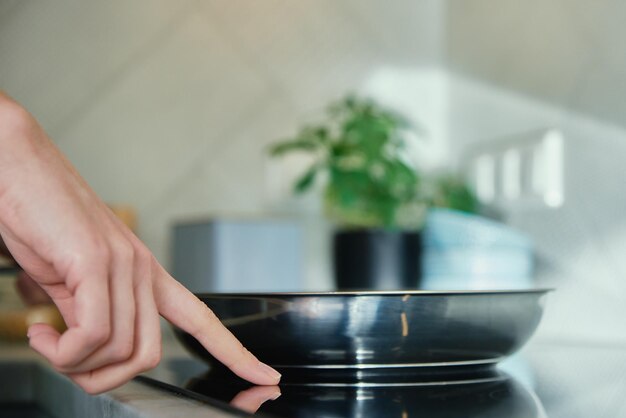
x=189, y=313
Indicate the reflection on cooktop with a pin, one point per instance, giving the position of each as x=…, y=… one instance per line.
x=485, y=393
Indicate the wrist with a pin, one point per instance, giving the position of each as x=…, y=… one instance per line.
x=16, y=145
x=15, y=121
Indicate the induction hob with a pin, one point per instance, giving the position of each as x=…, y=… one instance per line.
x=549, y=381
x=486, y=392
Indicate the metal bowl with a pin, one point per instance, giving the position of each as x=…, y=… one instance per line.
x=370, y=331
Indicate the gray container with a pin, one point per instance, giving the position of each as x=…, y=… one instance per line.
x=222, y=255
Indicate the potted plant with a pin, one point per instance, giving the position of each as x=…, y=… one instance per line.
x=371, y=192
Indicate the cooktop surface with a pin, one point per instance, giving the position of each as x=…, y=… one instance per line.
x=549, y=380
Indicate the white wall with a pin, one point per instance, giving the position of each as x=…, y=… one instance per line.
x=522, y=65
x=581, y=245
x=566, y=52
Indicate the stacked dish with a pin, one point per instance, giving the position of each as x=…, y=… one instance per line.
x=463, y=251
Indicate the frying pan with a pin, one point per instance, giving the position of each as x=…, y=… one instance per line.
x=366, y=332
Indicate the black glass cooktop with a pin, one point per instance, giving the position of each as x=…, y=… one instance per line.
x=545, y=381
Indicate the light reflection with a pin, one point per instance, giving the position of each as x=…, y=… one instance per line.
x=362, y=314
x=405, y=324
x=403, y=318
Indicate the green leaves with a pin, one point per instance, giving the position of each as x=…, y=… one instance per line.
x=290, y=146
x=308, y=140
x=453, y=193
x=306, y=180
x=360, y=149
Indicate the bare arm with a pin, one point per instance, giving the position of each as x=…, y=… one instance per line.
x=106, y=283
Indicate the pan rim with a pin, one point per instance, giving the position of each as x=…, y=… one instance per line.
x=341, y=293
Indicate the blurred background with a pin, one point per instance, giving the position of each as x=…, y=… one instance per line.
x=170, y=107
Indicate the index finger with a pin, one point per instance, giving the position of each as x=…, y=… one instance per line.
x=179, y=306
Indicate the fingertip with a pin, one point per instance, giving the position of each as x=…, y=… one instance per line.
x=272, y=375
x=43, y=339
x=38, y=329
x=250, y=368
x=260, y=374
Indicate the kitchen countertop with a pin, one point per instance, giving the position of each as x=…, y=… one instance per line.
x=570, y=379
x=26, y=379
x=578, y=378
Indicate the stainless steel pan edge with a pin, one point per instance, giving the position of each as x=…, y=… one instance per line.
x=372, y=330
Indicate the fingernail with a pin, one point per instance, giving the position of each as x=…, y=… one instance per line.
x=267, y=370
x=276, y=396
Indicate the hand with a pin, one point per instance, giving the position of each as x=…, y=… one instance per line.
x=105, y=282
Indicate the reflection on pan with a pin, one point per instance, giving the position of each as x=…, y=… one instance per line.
x=484, y=394
x=365, y=330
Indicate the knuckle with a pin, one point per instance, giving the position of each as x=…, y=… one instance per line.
x=63, y=363
x=143, y=254
x=102, y=254
x=121, y=352
x=143, y=260
x=60, y=365
x=123, y=250
x=95, y=246
x=93, y=250
x=90, y=252
x=89, y=387
x=98, y=336
x=151, y=360
x=155, y=267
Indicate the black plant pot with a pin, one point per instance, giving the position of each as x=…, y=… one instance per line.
x=377, y=259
